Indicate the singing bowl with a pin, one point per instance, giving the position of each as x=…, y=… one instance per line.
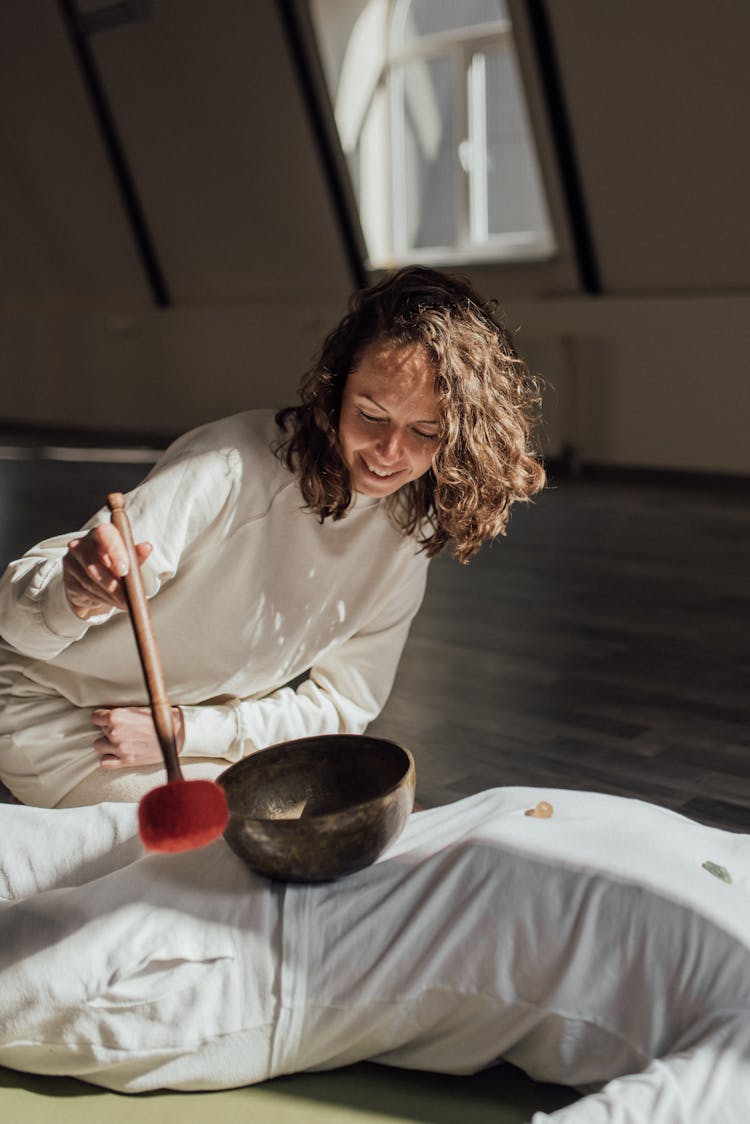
x=315, y=809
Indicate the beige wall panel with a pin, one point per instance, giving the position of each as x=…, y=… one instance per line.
x=157, y=372
x=639, y=383
x=217, y=135
x=210, y=113
x=654, y=383
x=657, y=92
x=63, y=234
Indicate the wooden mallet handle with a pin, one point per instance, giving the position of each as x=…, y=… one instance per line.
x=140, y=618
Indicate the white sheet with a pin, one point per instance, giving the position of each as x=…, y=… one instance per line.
x=590, y=948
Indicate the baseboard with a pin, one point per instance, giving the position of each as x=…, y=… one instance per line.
x=566, y=468
x=29, y=434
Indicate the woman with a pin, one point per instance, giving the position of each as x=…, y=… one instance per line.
x=272, y=548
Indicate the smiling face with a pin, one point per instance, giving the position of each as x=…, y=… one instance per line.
x=388, y=426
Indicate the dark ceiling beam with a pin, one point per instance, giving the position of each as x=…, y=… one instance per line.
x=588, y=267
x=321, y=125
x=76, y=26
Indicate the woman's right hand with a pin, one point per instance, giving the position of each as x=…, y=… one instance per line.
x=92, y=568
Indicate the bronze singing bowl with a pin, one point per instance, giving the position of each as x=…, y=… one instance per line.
x=317, y=808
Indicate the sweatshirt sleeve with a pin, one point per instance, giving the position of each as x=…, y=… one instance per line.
x=348, y=686
x=184, y=495
x=35, y=616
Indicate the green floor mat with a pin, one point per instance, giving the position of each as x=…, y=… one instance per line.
x=360, y=1094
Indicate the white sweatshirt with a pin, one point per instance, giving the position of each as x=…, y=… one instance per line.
x=249, y=591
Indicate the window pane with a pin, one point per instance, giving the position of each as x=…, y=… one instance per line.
x=425, y=17
x=436, y=134
x=426, y=182
x=515, y=202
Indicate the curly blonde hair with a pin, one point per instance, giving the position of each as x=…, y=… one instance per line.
x=488, y=409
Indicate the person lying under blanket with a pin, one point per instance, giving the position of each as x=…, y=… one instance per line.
x=603, y=946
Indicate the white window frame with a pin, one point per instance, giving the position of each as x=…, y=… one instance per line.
x=467, y=47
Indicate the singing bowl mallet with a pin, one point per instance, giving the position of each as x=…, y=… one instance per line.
x=180, y=814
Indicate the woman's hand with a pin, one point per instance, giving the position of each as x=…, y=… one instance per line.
x=127, y=737
x=92, y=568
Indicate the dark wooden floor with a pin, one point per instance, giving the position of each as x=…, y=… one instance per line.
x=603, y=645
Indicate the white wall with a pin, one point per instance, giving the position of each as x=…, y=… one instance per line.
x=208, y=105
x=209, y=110
x=661, y=382
x=153, y=371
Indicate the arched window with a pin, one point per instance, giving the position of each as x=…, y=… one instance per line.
x=432, y=118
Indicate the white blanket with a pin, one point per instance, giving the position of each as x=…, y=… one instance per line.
x=595, y=948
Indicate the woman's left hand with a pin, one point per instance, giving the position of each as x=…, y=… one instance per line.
x=127, y=738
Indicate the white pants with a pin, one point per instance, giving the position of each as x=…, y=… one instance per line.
x=130, y=785
x=26, y=723
x=591, y=949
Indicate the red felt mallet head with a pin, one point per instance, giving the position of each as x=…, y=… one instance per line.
x=179, y=815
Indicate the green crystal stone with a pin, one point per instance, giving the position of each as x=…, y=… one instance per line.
x=717, y=871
